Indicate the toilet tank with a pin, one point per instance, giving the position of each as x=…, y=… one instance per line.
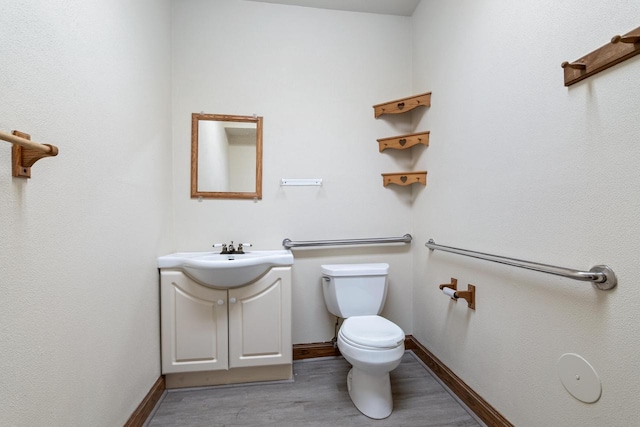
x=354, y=289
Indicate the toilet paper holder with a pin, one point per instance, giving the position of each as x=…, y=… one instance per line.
x=469, y=295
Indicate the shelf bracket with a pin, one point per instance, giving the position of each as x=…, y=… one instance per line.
x=25, y=152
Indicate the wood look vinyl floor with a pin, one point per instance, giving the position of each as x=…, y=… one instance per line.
x=317, y=397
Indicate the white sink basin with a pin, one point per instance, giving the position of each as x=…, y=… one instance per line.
x=226, y=271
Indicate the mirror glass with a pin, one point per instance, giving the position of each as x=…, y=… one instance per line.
x=226, y=156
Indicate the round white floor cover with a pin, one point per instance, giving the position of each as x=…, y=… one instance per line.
x=579, y=378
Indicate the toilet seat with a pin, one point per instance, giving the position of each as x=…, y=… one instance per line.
x=371, y=332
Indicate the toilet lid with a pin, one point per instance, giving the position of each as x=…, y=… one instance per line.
x=372, y=331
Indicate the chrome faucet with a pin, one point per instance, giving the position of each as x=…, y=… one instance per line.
x=241, y=247
x=230, y=249
x=224, y=247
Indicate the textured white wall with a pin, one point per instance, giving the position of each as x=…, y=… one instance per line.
x=313, y=75
x=521, y=166
x=79, y=240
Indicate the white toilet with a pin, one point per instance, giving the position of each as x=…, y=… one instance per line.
x=372, y=344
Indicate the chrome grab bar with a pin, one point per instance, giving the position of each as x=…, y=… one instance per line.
x=601, y=276
x=288, y=243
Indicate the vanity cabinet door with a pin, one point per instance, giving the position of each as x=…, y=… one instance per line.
x=260, y=321
x=194, y=325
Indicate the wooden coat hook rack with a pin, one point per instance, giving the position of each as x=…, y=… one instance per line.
x=26, y=152
x=620, y=49
x=469, y=295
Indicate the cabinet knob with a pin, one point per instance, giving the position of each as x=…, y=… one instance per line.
x=220, y=302
x=232, y=300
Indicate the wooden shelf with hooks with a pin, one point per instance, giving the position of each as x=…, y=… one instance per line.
x=26, y=152
x=402, y=105
x=402, y=142
x=619, y=49
x=405, y=178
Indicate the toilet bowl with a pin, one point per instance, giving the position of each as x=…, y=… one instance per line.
x=374, y=347
x=372, y=344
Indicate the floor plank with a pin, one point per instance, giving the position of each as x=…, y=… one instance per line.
x=317, y=397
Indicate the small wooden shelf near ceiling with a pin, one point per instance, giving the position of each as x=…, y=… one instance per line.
x=402, y=105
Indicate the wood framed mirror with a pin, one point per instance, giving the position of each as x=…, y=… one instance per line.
x=226, y=156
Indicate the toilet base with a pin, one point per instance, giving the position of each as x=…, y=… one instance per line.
x=371, y=394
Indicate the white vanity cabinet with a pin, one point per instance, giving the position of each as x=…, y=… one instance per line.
x=260, y=321
x=207, y=329
x=194, y=325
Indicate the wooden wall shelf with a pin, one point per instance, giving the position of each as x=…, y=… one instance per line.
x=404, y=178
x=619, y=49
x=402, y=142
x=402, y=105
